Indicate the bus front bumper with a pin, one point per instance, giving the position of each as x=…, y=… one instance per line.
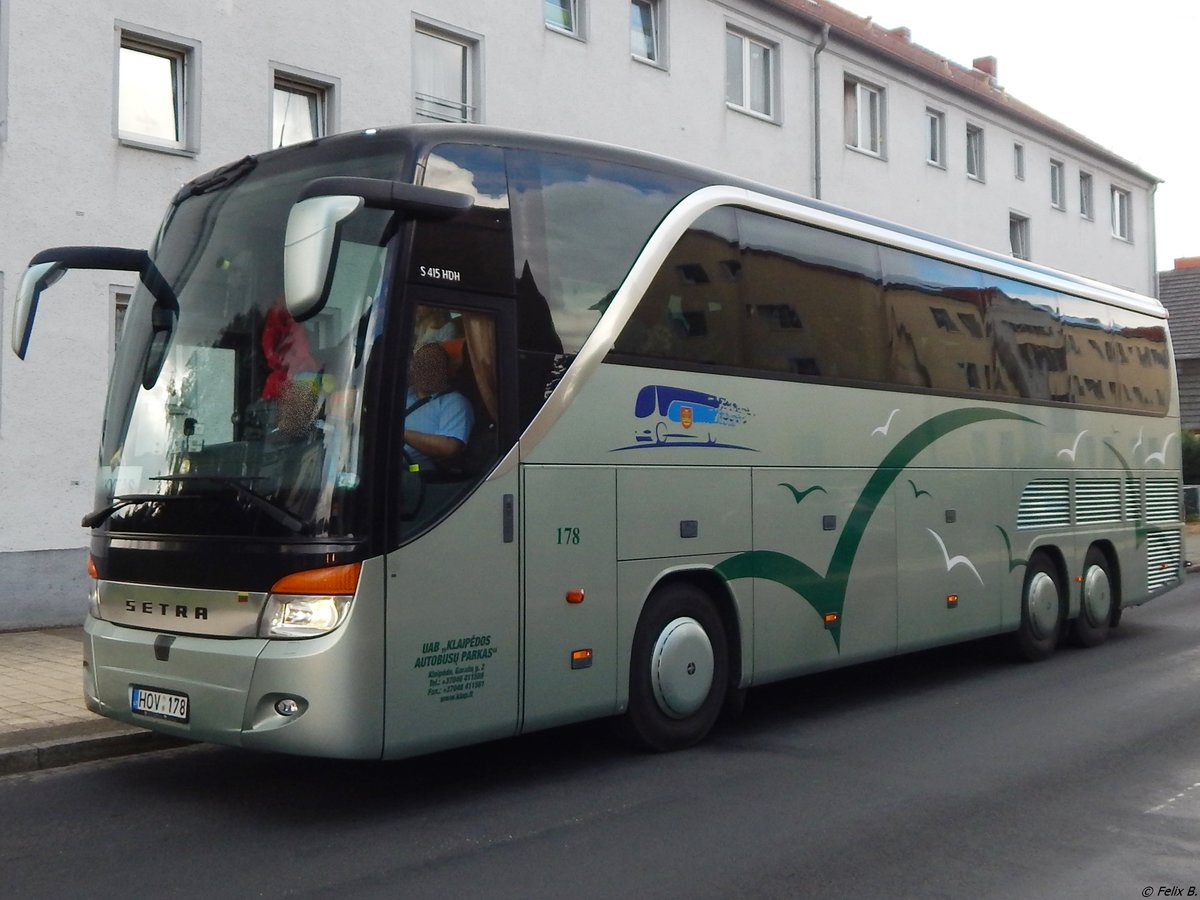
x=240, y=691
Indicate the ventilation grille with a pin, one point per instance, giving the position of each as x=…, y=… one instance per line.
x=1133, y=500
x=1045, y=503
x=1162, y=500
x=1163, y=554
x=1097, y=500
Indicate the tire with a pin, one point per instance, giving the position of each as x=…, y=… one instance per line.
x=1043, y=610
x=678, y=670
x=1096, y=600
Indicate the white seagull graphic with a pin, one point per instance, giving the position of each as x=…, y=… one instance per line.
x=1069, y=452
x=954, y=561
x=883, y=429
x=1161, y=455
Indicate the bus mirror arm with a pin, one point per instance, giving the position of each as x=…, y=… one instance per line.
x=414, y=201
x=50, y=265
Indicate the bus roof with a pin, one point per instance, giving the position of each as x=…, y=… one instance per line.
x=420, y=139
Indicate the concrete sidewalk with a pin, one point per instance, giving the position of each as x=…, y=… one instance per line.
x=43, y=721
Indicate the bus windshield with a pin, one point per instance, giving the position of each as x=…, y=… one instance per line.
x=232, y=418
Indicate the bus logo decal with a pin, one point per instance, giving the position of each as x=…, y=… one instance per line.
x=681, y=417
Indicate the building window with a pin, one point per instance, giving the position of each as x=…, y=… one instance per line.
x=1018, y=235
x=444, y=77
x=975, y=152
x=1122, y=225
x=644, y=28
x=935, y=147
x=864, y=117
x=300, y=110
x=1019, y=162
x=749, y=74
x=120, y=304
x=563, y=15
x=1085, y=196
x=1058, y=190
x=157, y=91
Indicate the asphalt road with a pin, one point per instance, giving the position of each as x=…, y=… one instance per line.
x=955, y=773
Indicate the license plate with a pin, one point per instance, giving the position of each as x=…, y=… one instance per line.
x=159, y=704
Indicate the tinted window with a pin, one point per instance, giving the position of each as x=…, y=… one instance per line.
x=578, y=226
x=810, y=301
x=746, y=290
x=749, y=290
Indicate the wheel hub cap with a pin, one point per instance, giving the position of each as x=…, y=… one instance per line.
x=682, y=668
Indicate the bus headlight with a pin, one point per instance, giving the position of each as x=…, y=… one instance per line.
x=309, y=603
x=302, y=617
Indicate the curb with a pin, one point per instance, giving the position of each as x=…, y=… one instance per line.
x=52, y=754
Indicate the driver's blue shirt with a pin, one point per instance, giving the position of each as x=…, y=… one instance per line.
x=448, y=415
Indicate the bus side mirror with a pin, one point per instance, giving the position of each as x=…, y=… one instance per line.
x=50, y=265
x=309, y=251
x=314, y=226
x=35, y=280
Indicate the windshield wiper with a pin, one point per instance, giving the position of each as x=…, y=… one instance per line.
x=96, y=517
x=274, y=511
x=222, y=177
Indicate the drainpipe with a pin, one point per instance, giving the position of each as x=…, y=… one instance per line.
x=1153, y=241
x=816, y=130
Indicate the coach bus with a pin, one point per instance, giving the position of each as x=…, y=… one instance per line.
x=439, y=434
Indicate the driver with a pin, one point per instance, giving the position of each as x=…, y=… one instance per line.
x=437, y=420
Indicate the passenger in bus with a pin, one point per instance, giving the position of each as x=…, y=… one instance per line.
x=437, y=419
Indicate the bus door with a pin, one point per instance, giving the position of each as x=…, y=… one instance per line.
x=452, y=632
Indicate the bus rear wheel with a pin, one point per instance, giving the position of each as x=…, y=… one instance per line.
x=1095, y=601
x=1042, y=610
x=678, y=670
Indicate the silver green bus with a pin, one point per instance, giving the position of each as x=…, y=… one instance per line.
x=435, y=435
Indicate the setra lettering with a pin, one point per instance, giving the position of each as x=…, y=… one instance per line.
x=178, y=610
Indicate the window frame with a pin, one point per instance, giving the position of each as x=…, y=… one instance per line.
x=1121, y=209
x=1058, y=184
x=976, y=132
x=1087, y=205
x=877, y=113
x=1018, y=226
x=186, y=69
x=576, y=9
x=772, y=81
x=935, y=149
x=325, y=87
x=656, y=8
x=1018, y=161
x=472, y=45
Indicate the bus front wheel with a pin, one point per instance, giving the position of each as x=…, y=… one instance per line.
x=678, y=670
x=1042, y=610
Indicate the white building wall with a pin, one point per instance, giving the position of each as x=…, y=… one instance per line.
x=66, y=179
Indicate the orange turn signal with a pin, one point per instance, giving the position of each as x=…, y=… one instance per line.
x=333, y=580
x=575, y=595
x=92, y=568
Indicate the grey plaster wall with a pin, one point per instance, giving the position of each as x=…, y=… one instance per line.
x=43, y=587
